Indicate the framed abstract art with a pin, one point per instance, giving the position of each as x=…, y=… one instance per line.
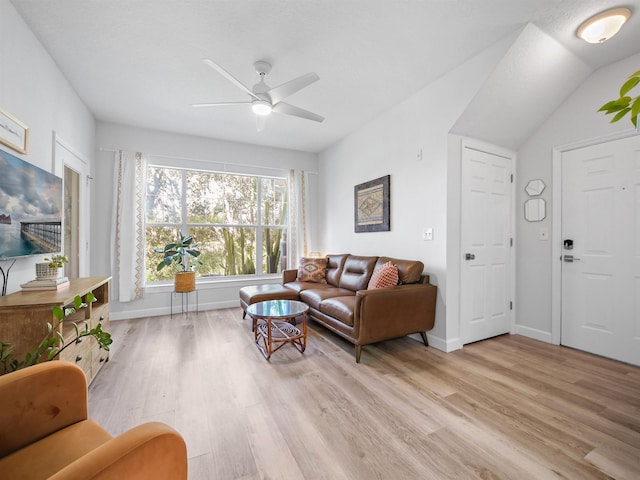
x=372, y=206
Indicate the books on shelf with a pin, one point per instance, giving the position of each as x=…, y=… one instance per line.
x=47, y=281
x=46, y=284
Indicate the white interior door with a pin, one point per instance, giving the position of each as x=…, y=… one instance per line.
x=601, y=217
x=485, y=277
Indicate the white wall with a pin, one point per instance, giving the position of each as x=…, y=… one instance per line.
x=577, y=119
x=34, y=90
x=184, y=151
x=535, y=76
x=390, y=144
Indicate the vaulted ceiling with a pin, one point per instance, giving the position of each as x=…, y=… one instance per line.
x=140, y=62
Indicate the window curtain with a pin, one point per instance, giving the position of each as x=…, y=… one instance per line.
x=298, y=217
x=127, y=234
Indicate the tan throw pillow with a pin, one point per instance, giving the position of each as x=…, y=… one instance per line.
x=312, y=270
x=385, y=276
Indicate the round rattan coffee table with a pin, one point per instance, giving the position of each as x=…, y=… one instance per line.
x=274, y=325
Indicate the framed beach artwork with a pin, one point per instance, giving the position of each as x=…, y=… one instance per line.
x=30, y=209
x=13, y=133
x=372, y=206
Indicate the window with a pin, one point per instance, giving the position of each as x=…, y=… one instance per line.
x=239, y=221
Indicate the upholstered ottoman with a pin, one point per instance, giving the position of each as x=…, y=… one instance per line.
x=262, y=293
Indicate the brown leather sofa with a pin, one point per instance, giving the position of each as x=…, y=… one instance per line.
x=45, y=433
x=346, y=307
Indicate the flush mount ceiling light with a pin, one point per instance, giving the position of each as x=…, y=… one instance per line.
x=602, y=27
x=261, y=107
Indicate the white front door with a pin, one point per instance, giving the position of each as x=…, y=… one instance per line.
x=485, y=282
x=601, y=273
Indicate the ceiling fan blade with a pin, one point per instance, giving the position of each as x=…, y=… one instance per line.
x=219, y=103
x=296, y=111
x=229, y=77
x=261, y=122
x=292, y=86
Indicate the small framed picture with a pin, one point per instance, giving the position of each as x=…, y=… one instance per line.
x=13, y=133
x=372, y=205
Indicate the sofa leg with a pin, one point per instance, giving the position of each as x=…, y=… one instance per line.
x=244, y=314
x=358, y=352
x=424, y=338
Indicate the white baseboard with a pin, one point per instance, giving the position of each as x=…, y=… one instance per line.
x=444, y=345
x=533, y=333
x=154, y=312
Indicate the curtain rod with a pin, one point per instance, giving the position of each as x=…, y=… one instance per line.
x=112, y=150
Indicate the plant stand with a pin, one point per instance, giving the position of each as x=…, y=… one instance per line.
x=184, y=301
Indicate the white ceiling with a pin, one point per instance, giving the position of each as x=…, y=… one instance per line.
x=139, y=62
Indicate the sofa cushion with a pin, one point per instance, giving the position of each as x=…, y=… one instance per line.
x=300, y=286
x=384, y=276
x=340, y=308
x=315, y=296
x=357, y=272
x=409, y=271
x=312, y=270
x=261, y=293
x=335, y=266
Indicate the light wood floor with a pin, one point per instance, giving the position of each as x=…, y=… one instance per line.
x=509, y=407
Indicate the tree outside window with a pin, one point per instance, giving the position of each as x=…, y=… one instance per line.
x=240, y=221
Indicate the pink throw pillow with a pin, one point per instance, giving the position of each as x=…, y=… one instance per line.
x=385, y=276
x=312, y=270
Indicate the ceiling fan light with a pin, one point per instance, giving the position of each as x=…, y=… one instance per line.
x=601, y=27
x=261, y=107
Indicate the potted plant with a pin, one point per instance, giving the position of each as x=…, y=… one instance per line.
x=49, y=268
x=183, y=256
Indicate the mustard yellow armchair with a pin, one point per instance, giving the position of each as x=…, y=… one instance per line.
x=45, y=433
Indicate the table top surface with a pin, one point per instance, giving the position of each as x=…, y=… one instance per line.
x=277, y=309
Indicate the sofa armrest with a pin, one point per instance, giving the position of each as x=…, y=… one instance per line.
x=289, y=276
x=149, y=451
x=39, y=400
x=393, y=312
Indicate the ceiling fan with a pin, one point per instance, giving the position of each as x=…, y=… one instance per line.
x=265, y=99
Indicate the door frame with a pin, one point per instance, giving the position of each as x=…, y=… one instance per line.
x=80, y=165
x=491, y=149
x=556, y=222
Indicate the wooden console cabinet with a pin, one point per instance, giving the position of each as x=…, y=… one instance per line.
x=24, y=317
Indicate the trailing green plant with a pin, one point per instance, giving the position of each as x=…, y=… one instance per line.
x=53, y=342
x=57, y=261
x=625, y=104
x=179, y=254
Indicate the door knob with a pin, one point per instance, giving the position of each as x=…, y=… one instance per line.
x=469, y=256
x=570, y=258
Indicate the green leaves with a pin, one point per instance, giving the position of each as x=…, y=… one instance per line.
x=180, y=253
x=104, y=338
x=625, y=104
x=628, y=85
x=7, y=360
x=635, y=109
x=620, y=114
